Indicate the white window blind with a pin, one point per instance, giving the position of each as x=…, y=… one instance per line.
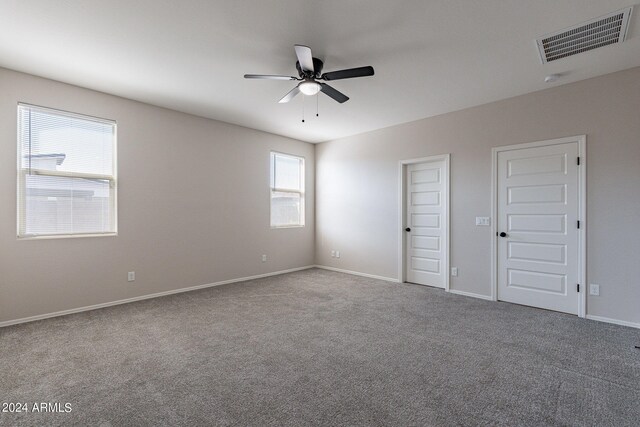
x=287, y=190
x=66, y=173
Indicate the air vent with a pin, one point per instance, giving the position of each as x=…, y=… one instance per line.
x=599, y=32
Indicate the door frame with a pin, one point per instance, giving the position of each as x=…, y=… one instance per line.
x=582, y=212
x=402, y=238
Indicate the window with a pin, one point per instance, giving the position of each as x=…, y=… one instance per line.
x=287, y=190
x=66, y=173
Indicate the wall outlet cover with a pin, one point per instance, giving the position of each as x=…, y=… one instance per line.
x=594, y=289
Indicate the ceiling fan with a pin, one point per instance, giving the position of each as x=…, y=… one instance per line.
x=310, y=71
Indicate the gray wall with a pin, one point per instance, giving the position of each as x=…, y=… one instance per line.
x=357, y=185
x=194, y=200
x=193, y=203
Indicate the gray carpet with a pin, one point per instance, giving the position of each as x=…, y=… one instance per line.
x=322, y=348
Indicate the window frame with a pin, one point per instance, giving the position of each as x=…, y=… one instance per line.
x=273, y=189
x=23, y=172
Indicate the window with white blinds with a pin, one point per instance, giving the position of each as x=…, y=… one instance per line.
x=66, y=173
x=287, y=190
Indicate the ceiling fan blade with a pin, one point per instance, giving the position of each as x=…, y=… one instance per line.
x=268, y=77
x=290, y=95
x=348, y=73
x=304, y=57
x=333, y=93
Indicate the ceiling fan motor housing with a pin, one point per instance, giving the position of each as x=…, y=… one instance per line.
x=317, y=66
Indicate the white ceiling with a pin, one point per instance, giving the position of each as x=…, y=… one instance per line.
x=430, y=57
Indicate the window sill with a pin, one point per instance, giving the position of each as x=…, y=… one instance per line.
x=66, y=236
x=277, y=227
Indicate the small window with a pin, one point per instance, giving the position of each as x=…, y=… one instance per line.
x=287, y=190
x=66, y=173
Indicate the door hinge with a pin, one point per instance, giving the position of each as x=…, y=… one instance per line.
x=578, y=287
x=578, y=223
x=578, y=161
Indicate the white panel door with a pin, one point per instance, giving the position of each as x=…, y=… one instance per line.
x=538, y=242
x=426, y=223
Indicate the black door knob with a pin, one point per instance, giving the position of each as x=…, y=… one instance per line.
x=503, y=234
x=407, y=229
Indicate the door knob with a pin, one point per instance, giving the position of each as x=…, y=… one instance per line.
x=503, y=234
x=407, y=229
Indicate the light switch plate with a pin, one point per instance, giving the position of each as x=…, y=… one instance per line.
x=483, y=221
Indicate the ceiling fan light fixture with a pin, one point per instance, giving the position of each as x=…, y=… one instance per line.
x=309, y=87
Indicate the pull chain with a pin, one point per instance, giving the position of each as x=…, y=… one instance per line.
x=317, y=103
x=303, y=109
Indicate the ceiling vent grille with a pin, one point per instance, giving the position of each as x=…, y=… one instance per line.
x=599, y=32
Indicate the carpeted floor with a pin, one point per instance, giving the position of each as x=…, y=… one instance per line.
x=322, y=348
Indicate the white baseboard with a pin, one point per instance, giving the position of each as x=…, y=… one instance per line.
x=144, y=297
x=357, y=273
x=471, y=294
x=259, y=276
x=614, y=321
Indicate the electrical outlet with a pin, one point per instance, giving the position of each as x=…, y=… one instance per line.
x=337, y=254
x=131, y=276
x=264, y=258
x=454, y=271
x=594, y=289
x=333, y=254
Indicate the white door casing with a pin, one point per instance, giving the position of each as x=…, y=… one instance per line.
x=539, y=201
x=426, y=216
